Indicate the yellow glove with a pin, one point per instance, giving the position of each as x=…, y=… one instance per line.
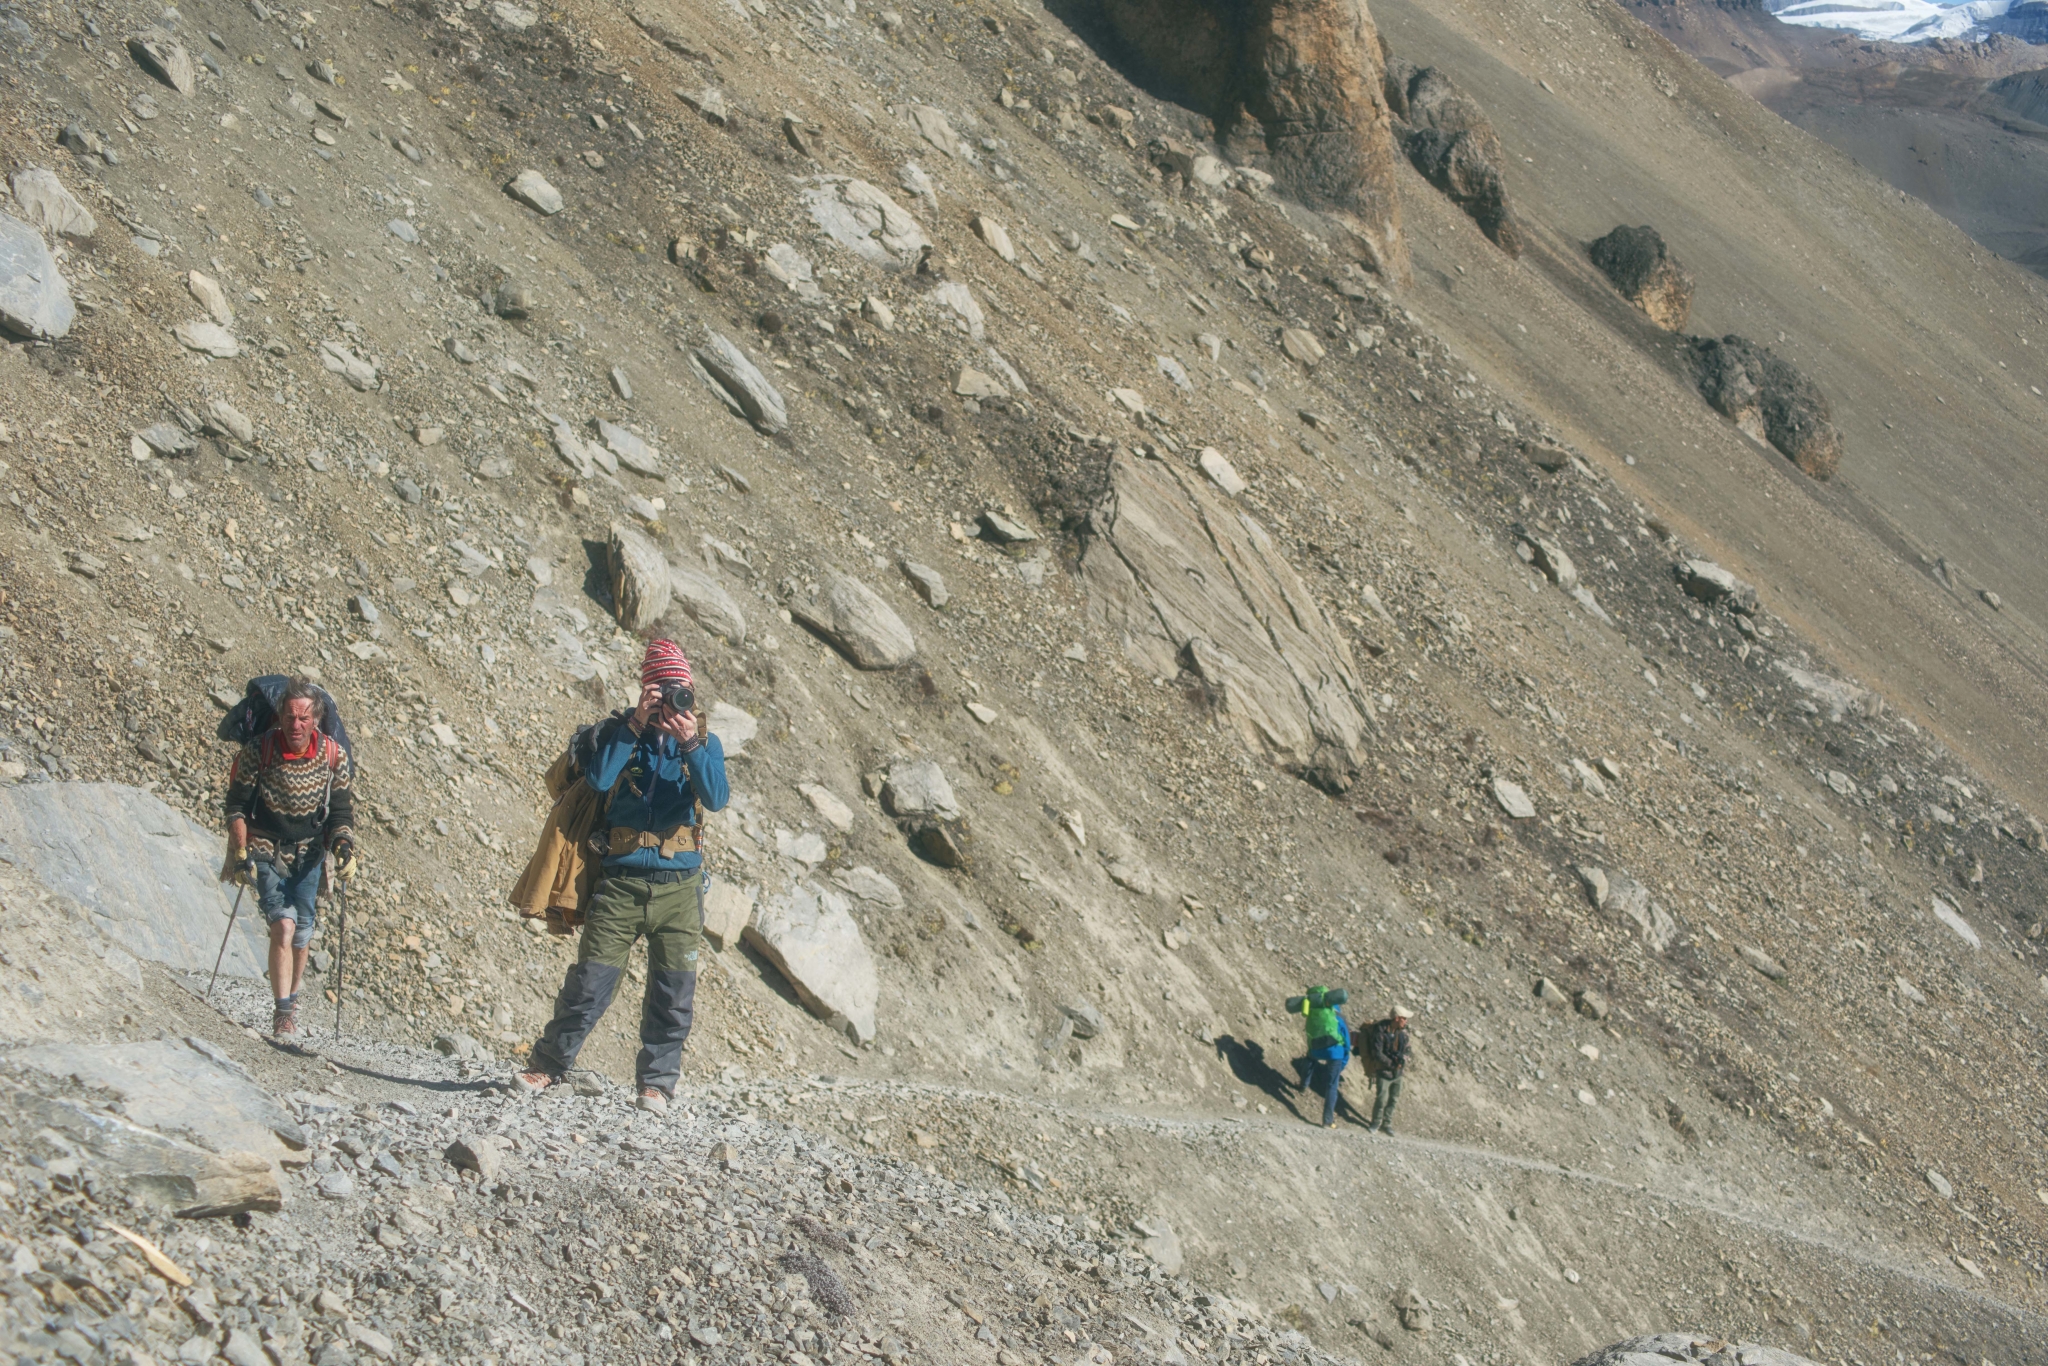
x=239, y=870
x=344, y=860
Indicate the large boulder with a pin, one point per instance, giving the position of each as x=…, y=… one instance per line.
x=918, y=787
x=852, y=618
x=160, y=900
x=1763, y=395
x=156, y=1170
x=1677, y=1349
x=810, y=936
x=1191, y=583
x=1294, y=85
x=739, y=383
x=186, y=1087
x=1648, y=276
x=49, y=205
x=34, y=299
x=1448, y=138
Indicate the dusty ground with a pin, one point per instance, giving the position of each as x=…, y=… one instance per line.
x=1728, y=1145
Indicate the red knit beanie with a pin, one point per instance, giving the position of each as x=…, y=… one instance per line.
x=664, y=665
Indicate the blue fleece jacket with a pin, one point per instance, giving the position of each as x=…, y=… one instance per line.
x=1339, y=1052
x=654, y=785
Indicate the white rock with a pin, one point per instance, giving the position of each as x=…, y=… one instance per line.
x=1301, y=346
x=959, y=300
x=807, y=848
x=918, y=787
x=46, y=203
x=634, y=453
x=927, y=581
x=836, y=813
x=865, y=884
x=1221, y=472
x=1630, y=898
x=1940, y=1184
x=1513, y=799
x=513, y=18
x=700, y=594
x=934, y=127
x=531, y=188
x=226, y=417
x=982, y=713
x=208, y=336
x=877, y=311
x=739, y=384
x=866, y=221
x=810, y=937
x=211, y=297
x=359, y=373
x=727, y=911
x=995, y=235
x=852, y=617
x=733, y=727
x=972, y=383
x=1948, y=916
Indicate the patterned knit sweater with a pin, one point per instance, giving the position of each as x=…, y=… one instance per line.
x=284, y=799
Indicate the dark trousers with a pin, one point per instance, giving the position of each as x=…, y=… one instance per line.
x=671, y=917
x=1322, y=1079
x=1386, y=1090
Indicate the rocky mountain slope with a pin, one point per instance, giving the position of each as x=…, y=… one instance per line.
x=1269, y=615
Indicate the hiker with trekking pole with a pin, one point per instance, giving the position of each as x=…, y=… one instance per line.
x=290, y=805
x=654, y=771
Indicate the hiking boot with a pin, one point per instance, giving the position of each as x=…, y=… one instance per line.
x=531, y=1083
x=652, y=1101
x=284, y=1023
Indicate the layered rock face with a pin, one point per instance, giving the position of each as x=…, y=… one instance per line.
x=1193, y=584
x=1448, y=138
x=1636, y=262
x=1770, y=400
x=1292, y=84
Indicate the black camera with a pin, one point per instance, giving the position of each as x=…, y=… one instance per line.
x=679, y=698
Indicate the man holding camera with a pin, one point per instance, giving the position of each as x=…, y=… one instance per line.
x=659, y=771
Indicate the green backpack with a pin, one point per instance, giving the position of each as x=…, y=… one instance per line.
x=1318, y=1009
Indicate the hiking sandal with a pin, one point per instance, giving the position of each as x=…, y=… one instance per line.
x=532, y=1083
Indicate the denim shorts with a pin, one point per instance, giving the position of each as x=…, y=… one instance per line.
x=289, y=896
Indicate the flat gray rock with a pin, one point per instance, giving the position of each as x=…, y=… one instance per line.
x=733, y=727
x=35, y=301
x=698, y=592
x=928, y=582
x=918, y=787
x=49, y=205
x=1182, y=574
x=1631, y=899
x=739, y=384
x=865, y=884
x=531, y=188
x=810, y=936
x=852, y=617
x=634, y=453
x=161, y=901
x=164, y=59
x=728, y=909
x=1513, y=799
x=175, y=1089
x=166, y=1173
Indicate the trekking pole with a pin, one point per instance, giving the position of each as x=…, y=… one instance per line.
x=340, y=945
x=222, y=955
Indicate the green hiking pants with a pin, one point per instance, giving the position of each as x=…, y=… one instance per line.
x=1386, y=1090
x=670, y=916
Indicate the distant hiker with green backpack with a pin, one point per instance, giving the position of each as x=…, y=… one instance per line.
x=290, y=803
x=1329, y=1043
x=657, y=771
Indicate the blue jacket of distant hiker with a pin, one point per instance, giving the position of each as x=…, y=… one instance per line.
x=658, y=792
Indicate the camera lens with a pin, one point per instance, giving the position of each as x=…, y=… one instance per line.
x=680, y=698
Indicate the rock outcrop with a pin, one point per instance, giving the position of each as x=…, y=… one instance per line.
x=156, y=1170
x=1447, y=137
x=160, y=902
x=1193, y=585
x=1636, y=262
x=1764, y=396
x=34, y=299
x=1292, y=85
x=811, y=938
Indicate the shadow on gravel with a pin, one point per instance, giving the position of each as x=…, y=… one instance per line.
x=415, y=1083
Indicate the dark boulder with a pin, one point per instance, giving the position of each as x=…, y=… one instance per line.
x=1762, y=394
x=1636, y=261
x=1447, y=137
